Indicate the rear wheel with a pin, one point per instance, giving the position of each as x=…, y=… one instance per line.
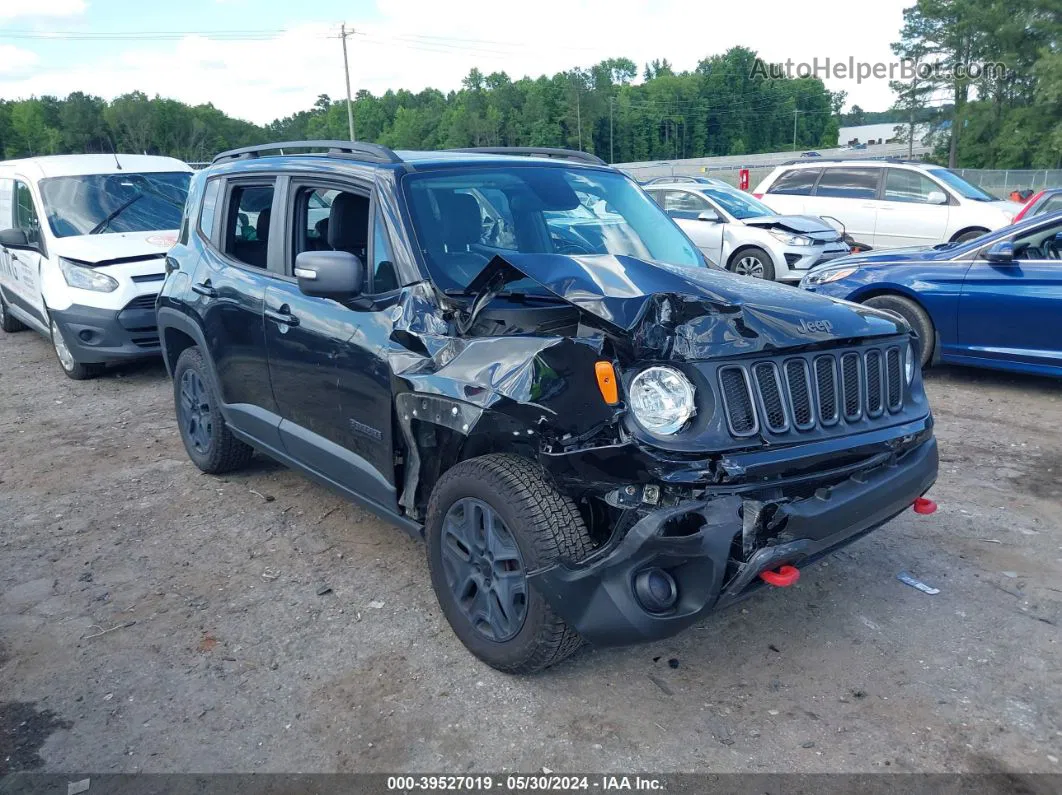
x=970, y=235
x=916, y=318
x=8, y=322
x=754, y=262
x=208, y=440
x=71, y=366
x=490, y=521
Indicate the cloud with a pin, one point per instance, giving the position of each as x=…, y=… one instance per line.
x=15, y=60
x=14, y=9
x=415, y=44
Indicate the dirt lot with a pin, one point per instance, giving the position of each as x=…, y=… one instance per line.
x=156, y=619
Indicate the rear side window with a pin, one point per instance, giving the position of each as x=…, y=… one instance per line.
x=685, y=202
x=208, y=208
x=797, y=182
x=250, y=210
x=849, y=183
x=7, y=189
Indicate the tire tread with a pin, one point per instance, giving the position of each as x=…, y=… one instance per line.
x=227, y=453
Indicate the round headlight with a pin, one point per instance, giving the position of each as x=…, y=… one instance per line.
x=909, y=363
x=661, y=399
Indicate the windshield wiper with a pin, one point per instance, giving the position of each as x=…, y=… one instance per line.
x=121, y=208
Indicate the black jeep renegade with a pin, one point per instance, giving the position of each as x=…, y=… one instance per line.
x=524, y=361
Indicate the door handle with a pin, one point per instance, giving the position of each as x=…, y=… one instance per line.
x=282, y=316
x=205, y=288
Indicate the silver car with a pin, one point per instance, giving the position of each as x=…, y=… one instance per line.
x=740, y=233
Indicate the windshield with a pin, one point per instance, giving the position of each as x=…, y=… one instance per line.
x=961, y=186
x=464, y=218
x=738, y=204
x=122, y=202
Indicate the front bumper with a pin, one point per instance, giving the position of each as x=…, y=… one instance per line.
x=701, y=544
x=96, y=335
x=800, y=259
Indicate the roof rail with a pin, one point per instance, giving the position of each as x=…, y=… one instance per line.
x=375, y=153
x=862, y=159
x=535, y=151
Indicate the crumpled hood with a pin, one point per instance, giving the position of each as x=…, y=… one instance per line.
x=689, y=313
x=101, y=249
x=801, y=224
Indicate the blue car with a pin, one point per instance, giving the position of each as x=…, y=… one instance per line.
x=995, y=301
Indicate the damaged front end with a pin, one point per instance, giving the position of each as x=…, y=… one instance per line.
x=807, y=433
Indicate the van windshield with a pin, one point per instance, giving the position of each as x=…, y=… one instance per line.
x=94, y=204
x=464, y=217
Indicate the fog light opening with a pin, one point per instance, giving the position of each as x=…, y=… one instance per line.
x=655, y=590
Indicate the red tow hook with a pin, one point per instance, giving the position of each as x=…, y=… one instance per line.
x=783, y=578
x=924, y=506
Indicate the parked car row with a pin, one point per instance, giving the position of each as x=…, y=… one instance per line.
x=526, y=362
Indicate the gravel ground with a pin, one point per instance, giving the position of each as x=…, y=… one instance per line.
x=156, y=619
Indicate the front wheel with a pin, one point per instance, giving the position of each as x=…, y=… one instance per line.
x=916, y=318
x=754, y=262
x=490, y=521
x=73, y=368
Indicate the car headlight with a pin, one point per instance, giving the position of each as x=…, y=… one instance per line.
x=909, y=363
x=661, y=399
x=790, y=239
x=85, y=278
x=826, y=275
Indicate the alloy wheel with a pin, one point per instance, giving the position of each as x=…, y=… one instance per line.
x=66, y=358
x=195, y=419
x=484, y=569
x=749, y=266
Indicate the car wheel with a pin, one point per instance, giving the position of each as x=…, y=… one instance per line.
x=8, y=322
x=971, y=235
x=916, y=318
x=491, y=520
x=208, y=440
x=754, y=262
x=73, y=368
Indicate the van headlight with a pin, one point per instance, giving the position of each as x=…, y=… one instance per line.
x=84, y=277
x=661, y=399
x=909, y=363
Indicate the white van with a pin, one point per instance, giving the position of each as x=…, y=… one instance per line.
x=886, y=204
x=83, y=239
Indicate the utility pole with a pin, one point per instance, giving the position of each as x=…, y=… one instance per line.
x=611, y=145
x=346, y=70
x=795, y=112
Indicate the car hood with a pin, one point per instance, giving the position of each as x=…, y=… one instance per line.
x=801, y=224
x=936, y=253
x=663, y=310
x=107, y=248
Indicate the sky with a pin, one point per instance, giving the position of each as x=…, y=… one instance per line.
x=263, y=59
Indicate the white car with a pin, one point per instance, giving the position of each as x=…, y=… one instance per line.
x=737, y=232
x=887, y=203
x=83, y=239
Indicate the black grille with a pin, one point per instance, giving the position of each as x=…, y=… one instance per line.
x=875, y=398
x=826, y=389
x=803, y=392
x=738, y=401
x=799, y=383
x=770, y=391
x=892, y=359
x=142, y=302
x=850, y=381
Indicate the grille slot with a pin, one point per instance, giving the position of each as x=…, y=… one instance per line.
x=769, y=388
x=798, y=382
x=826, y=389
x=895, y=378
x=737, y=399
x=852, y=385
x=142, y=302
x=875, y=395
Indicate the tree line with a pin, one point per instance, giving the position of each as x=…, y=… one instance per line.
x=719, y=108
x=1009, y=117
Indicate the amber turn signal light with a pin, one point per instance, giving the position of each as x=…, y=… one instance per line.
x=606, y=382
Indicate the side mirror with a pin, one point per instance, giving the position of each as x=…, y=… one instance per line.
x=709, y=215
x=1001, y=253
x=15, y=238
x=329, y=274
x=937, y=197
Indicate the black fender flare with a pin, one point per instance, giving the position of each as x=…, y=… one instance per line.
x=168, y=317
